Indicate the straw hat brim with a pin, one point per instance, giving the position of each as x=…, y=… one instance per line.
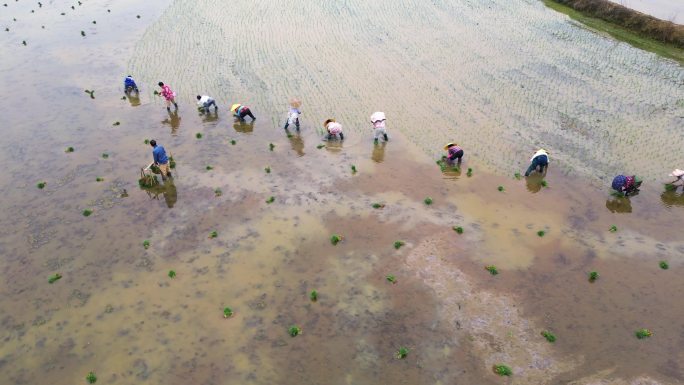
x=446, y=147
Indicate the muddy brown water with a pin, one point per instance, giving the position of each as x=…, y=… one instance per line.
x=506, y=84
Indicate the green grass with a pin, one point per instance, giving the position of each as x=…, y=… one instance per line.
x=517, y=176
x=502, y=370
x=209, y=168
x=663, y=265
x=69, y=149
x=378, y=205
x=458, y=229
x=549, y=336
x=541, y=233
x=313, y=296
x=399, y=244
x=353, y=169
x=41, y=185
x=593, y=276
x=335, y=239
x=544, y=183
x=391, y=278
x=105, y=155
x=294, y=331
x=621, y=33
x=54, y=278
x=427, y=201
x=227, y=312
x=213, y=234
x=146, y=244
x=198, y=135
x=270, y=200
x=91, y=378
x=501, y=188
x=99, y=179
x=613, y=229
x=87, y=212
x=643, y=333
x=402, y=353
x=492, y=269
x=172, y=274
x=470, y=172
x=233, y=142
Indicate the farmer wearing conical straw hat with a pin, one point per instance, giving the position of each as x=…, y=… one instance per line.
x=378, y=120
x=240, y=111
x=334, y=129
x=454, y=152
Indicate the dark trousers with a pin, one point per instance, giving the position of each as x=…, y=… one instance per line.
x=540, y=162
x=287, y=124
x=456, y=155
x=246, y=112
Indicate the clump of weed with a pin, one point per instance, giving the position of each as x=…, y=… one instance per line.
x=137, y=16
x=156, y=92
x=313, y=295
x=549, y=336
x=227, y=312
x=213, y=235
x=458, y=229
x=517, y=176
x=402, y=353
x=218, y=192
x=501, y=188
x=117, y=123
x=544, y=183
x=470, y=172
x=209, y=168
x=593, y=276
x=233, y=142
x=69, y=149
x=670, y=187
x=91, y=93
x=643, y=333
x=146, y=244
x=335, y=239
x=155, y=169
x=612, y=229
x=391, y=279
x=105, y=155
x=172, y=274
x=148, y=181
x=271, y=146
x=87, y=212
x=492, y=269
x=198, y=135
x=146, y=141
x=270, y=200
x=267, y=169
x=502, y=370
x=41, y=185
x=99, y=179
x=294, y=331
x=398, y=244
x=541, y=233
x=378, y=205
x=663, y=265
x=427, y=201
x=82, y=33
x=54, y=278
x=91, y=378
x=353, y=168
x=172, y=163
x=320, y=146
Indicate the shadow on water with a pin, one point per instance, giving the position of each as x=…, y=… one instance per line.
x=619, y=205
x=672, y=198
x=243, y=127
x=378, y=154
x=297, y=143
x=209, y=117
x=166, y=190
x=534, y=182
x=133, y=99
x=173, y=120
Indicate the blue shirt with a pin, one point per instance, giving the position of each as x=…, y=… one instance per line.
x=129, y=82
x=159, y=155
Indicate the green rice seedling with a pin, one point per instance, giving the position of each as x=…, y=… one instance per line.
x=663, y=265
x=155, y=169
x=146, y=141
x=213, y=235
x=156, y=92
x=502, y=370
x=123, y=98
x=117, y=123
x=271, y=146
x=218, y=192
x=427, y=201
x=613, y=229
x=69, y=149
x=391, y=279
x=670, y=187
x=137, y=16
x=470, y=172
x=492, y=269
x=209, y=168
x=398, y=244
x=643, y=333
x=270, y=200
x=501, y=188
x=99, y=179
x=335, y=239
x=402, y=353
x=94, y=22
x=172, y=163
x=148, y=181
x=458, y=229
x=544, y=183
x=41, y=185
x=549, y=336
x=267, y=169
x=541, y=233
x=294, y=331
x=54, y=278
x=290, y=136
x=320, y=146
x=353, y=168
x=593, y=276
x=517, y=176
x=82, y=33
x=378, y=205
x=198, y=135
x=172, y=274
x=227, y=312
x=313, y=296
x=105, y=155
x=87, y=212
x=233, y=142
x=91, y=378
x=146, y=244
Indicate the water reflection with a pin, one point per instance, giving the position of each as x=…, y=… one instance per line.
x=173, y=120
x=208, y=117
x=167, y=190
x=534, y=182
x=619, y=205
x=243, y=126
x=378, y=154
x=297, y=143
x=134, y=99
x=672, y=198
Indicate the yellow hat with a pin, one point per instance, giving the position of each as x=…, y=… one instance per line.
x=234, y=107
x=449, y=145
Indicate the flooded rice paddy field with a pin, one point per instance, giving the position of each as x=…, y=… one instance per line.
x=499, y=77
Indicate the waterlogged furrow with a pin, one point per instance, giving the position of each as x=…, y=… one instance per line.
x=501, y=77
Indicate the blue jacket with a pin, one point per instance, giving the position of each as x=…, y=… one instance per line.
x=129, y=82
x=159, y=155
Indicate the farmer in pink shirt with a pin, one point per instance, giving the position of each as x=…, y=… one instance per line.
x=169, y=95
x=334, y=129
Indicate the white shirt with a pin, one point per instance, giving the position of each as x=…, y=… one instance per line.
x=204, y=99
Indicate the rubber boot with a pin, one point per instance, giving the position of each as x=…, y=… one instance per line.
x=385, y=136
x=175, y=105
x=341, y=136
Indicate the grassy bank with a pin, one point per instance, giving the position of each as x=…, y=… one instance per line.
x=642, y=31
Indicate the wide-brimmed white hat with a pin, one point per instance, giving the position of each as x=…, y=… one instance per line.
x=377, y=116
x=677, y=173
